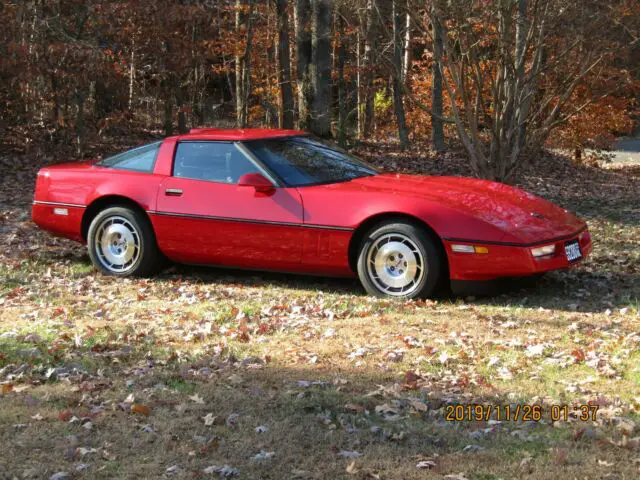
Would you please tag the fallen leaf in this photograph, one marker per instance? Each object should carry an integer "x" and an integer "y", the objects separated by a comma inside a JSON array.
[
  {"x": 65, "y": 415},
  {"x": 197, "y": 398},
  {"x": 85, "y": 451},
  {"x": 225, "y": 472},
  {"x": 426, "y": 464},
  {"x": 262, "y": 456},
  {"x": 140, "y": 409},
  {"x": 208, "y": 419},
  {"x": 525, "y": 461},
  {"x": 60, "y": 476},
  {"x": 534, "y": 350},
  {"x": 386, "y": 409},
  {"x": 173, "y": 470},
  {"x": 578, "y": 355},
  {"x": 349, "y": 454}
]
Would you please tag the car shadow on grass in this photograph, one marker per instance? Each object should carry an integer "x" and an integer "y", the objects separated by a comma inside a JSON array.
[
  {"x": 569, "y": 291},
  {"x": 259, "y": 278},
  {"x": 572, "y": 290}
]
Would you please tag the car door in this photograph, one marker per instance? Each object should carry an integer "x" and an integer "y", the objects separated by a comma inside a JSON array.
[{"x": 203, "y": 216}]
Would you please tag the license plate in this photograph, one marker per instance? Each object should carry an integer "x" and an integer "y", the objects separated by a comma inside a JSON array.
[{"x": 572, "y": 250}]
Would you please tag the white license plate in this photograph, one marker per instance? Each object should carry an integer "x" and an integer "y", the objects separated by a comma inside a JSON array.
[{"x": 572, "y": 250}]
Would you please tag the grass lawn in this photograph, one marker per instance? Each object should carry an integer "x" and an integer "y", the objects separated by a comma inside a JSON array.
[{"x": 212, "y": 373}]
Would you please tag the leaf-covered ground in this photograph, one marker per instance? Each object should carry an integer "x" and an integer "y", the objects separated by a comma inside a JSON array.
[{"x": 207, "y": 373}]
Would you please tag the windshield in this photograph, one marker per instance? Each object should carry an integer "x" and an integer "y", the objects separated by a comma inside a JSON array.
[{"x": 303, "y": 161}]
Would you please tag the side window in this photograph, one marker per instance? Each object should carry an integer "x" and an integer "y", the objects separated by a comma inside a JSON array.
[
  {"x": 141, "y": 159},
  {"x": 212, "y": 161}
]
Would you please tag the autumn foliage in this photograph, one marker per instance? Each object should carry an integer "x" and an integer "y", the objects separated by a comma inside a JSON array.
[{"x": 76, "y": 70}]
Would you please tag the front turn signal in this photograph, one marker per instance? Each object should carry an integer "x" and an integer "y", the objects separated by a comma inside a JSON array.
[
  {"x": 543, "y": 251},
  {"x": 468, "y": 249}
]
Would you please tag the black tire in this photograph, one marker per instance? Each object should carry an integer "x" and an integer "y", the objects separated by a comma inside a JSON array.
[
  {"x": 393, "y": 230},
  {"x": 146, "y": 258}
]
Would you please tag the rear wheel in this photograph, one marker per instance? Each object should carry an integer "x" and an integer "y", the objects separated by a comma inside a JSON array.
[
  {"x": 398, "y": 259},
  {"x": 121, "y": 242}
]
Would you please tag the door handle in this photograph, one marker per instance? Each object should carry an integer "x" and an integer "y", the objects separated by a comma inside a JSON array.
[{"x": 173, "y": 192}]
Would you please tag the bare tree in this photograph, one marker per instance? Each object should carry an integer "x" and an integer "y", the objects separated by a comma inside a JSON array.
[
  {"x": 340, "y": 61},
  {"x": 437, "y": 126},
  {"x": 284, "y": 70},
  {"x": 243, "y": 64},
  {"x": 493, "y": 81},
  {"x": 370, "y": 23},
  {"x": 407, "y": 56},
  {"x": 321, "y": 68},
  {"x": 303, "y": 61},
  {"x": 398, "y": 100}
]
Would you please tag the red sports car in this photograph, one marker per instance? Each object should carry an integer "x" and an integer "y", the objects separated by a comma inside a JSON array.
[{"x": 283, "y": 200}]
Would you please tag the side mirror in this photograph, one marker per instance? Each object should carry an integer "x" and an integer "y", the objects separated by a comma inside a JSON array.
[{"x": 257, "y": 181}]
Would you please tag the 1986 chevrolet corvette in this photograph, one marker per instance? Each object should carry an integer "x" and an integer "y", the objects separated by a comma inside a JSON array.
[{"x": 283, "y": 200}]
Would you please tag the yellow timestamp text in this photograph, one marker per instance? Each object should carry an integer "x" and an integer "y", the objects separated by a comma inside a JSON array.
[{"x": 519, "y": 413}]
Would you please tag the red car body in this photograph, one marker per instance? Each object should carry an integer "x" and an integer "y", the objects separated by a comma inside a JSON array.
[{"x": 312, "y": 229}]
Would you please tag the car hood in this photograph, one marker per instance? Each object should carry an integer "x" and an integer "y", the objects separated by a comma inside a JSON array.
[{"x": 524, "y": 217}]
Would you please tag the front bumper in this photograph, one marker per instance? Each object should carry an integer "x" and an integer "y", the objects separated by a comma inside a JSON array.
[{"x": 504, "y": 260}]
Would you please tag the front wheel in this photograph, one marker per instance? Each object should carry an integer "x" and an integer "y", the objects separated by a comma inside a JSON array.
[
  {"x": 121, "y": 242},
  {"x": 398, "y": 259}
]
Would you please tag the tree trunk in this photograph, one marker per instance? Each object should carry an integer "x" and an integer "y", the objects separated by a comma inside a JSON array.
[
  {"x": 238, "y": 61},
  {"x": 407, "y": 57},
  {"x": 243, "y": 68},
  {"x": 284, "y": 70},
  {"x": 132, "y": 72},
  {"x": 182, "y": 120},
  {"x": 303, "y": 61},
  {"x": 359, "y": 106},
  {"x": 437, "y": 126},
  {"x": 398, "y": 103},
  {"x": 522, "y": 28},
  {"x": 57, "y": 110},
  {"x": 105, "y": 96},
  {"x": 79, "y": 99},
  {"x": 168, "y": 114},
  {"x": 367, "y": 67},
  {"x": 321, "y": 68},
  {"x": 342, "y": 111}
]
